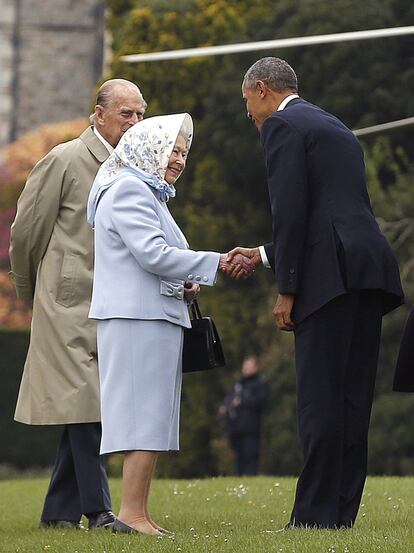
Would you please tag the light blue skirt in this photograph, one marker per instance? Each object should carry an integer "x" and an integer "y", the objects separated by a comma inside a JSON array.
[{"x": 140, "y": 374}]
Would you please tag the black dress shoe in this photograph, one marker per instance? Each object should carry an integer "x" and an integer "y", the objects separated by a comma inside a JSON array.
[
  {"x": 310, "y": 526},
  {"x": 105, "y": 519},
  {"x": 286, "y": 527},
  {"x": 122, "y": 528},
  {"x": 65, "y": 524},
  {"x": 346, "y": 525}
]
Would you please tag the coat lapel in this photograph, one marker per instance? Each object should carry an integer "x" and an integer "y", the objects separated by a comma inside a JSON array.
[
  {"x": 182, "y": 241},
  {"x": 94, "y": 145}
]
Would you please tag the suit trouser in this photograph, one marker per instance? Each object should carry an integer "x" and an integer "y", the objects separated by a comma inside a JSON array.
[
  {"x": 247, "y": 450},
  {"x": 79, "y": 484},
  {"x": 336, "y": 362},
  {"x": 404, "y": 374}
]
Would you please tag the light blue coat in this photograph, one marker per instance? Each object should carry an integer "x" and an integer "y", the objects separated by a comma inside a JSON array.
[{"x": 142, "y": 258}]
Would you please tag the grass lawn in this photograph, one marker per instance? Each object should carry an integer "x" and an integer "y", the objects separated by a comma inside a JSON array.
[{"x": 226, "y": 515}]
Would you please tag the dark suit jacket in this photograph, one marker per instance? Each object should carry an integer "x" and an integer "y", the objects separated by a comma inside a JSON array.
[
  {"x": 325, "y": 236},
  {"x": 252, "y": 391}
]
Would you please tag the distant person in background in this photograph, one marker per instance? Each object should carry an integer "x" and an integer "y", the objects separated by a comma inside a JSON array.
[
  {"x": 242, "y": 410},
  {"x": 51, "y": 254}
]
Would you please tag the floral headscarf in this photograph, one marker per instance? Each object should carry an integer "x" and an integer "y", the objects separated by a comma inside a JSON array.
[{"x": 143, "y": 151}]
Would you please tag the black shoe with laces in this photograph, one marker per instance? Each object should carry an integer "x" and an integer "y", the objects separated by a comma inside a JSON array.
[
  {"x": 64, "y": 524},
  {"x": 104, "y": 519}
]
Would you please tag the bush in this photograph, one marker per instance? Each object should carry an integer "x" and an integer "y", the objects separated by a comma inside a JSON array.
[
  {"x": 21, "y": 156},
  {"x": 23, "y": 446},
  {"x": 14, "y": 313},
  {"x": 19, "y": 159}
]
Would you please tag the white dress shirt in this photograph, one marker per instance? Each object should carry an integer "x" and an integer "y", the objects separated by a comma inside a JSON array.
[
  {"x": 104, "y": 142},
  {"x": 282, "y": 106}
]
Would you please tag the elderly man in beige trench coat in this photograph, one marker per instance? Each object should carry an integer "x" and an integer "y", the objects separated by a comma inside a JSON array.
[{"x": 51, "y": 254}]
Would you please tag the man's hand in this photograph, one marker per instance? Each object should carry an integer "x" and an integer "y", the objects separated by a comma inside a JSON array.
[
  {"x": 282, "y": 312},
  {"x": 236, "y": 401},
  {"x": 251, "y": 253},
  {"x": 191, "y": 290},
  {"x": 240, "y": 266}
]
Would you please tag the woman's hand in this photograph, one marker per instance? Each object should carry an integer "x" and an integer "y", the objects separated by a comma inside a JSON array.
[
  {"x": 191, "y": 290},
  {"x": 236, "y": 265}
]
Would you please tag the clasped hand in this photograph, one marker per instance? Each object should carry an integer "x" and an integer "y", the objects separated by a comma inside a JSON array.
[{"x": 240, "y": 262}]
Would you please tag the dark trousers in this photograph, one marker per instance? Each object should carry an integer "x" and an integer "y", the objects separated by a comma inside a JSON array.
[
  {"x": 79, "y": 484},
  {"x": 404, "y": 371},
  {"x": 336, "y": 362},
  {"x": 247, "y": 450}
]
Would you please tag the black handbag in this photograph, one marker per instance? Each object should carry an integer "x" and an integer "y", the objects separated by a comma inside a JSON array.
[{"x": 202, "y": 347}]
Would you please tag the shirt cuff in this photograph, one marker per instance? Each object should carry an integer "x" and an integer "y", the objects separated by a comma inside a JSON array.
[
  {"x": 217, "y": 269},
  {"x": 263, "y": 255}
]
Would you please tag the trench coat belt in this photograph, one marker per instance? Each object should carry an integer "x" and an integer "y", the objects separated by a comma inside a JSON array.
[{"x": 172, "y": 289}]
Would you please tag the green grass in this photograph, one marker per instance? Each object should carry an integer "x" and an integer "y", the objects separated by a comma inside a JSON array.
[{"x": 226, "y": 515}]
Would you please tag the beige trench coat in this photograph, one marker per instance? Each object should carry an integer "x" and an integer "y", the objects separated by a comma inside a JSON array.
[{"x": 51, "y": 254}]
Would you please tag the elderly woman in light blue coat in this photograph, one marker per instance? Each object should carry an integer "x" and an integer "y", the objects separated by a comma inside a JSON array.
[{"x": 144, "y": 276}]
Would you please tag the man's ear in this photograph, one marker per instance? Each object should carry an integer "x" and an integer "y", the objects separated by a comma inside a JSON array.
[
  {"x": 261, "y": 88},
  {"x": 99, "y": 113}
]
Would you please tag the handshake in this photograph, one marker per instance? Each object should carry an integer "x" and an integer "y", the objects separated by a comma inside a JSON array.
[{"x": 240, "y": 262}]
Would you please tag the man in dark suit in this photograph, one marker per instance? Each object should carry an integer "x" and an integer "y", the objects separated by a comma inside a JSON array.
[
  {"x": 242, "y": 410},
  {"x": 336, "y": 278}
]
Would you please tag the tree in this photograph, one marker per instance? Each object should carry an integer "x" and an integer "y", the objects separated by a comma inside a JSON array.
[
  {"x": 222, "y": 198},
  {"x": 19, "y": 159}
]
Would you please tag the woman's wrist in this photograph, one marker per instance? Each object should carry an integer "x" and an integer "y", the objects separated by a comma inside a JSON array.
[{"x": 223, "y": 262}]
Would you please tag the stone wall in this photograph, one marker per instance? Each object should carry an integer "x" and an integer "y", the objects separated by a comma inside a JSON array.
[{"x": 52, "y": 51}]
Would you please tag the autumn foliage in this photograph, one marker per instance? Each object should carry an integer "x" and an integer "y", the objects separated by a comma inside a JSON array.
[
  {"x": 18, "y": 159},
  {"x": 21, "y": 156}
]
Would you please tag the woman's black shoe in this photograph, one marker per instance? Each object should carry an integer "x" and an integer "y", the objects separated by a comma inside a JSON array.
[{"x": 122, "y": 528}]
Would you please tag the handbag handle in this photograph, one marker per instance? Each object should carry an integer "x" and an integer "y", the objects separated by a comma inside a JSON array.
[{"x": 195, "y": 310}]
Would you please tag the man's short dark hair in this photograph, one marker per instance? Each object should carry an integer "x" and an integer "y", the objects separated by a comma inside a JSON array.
[{"x": 275, "y": 72}]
